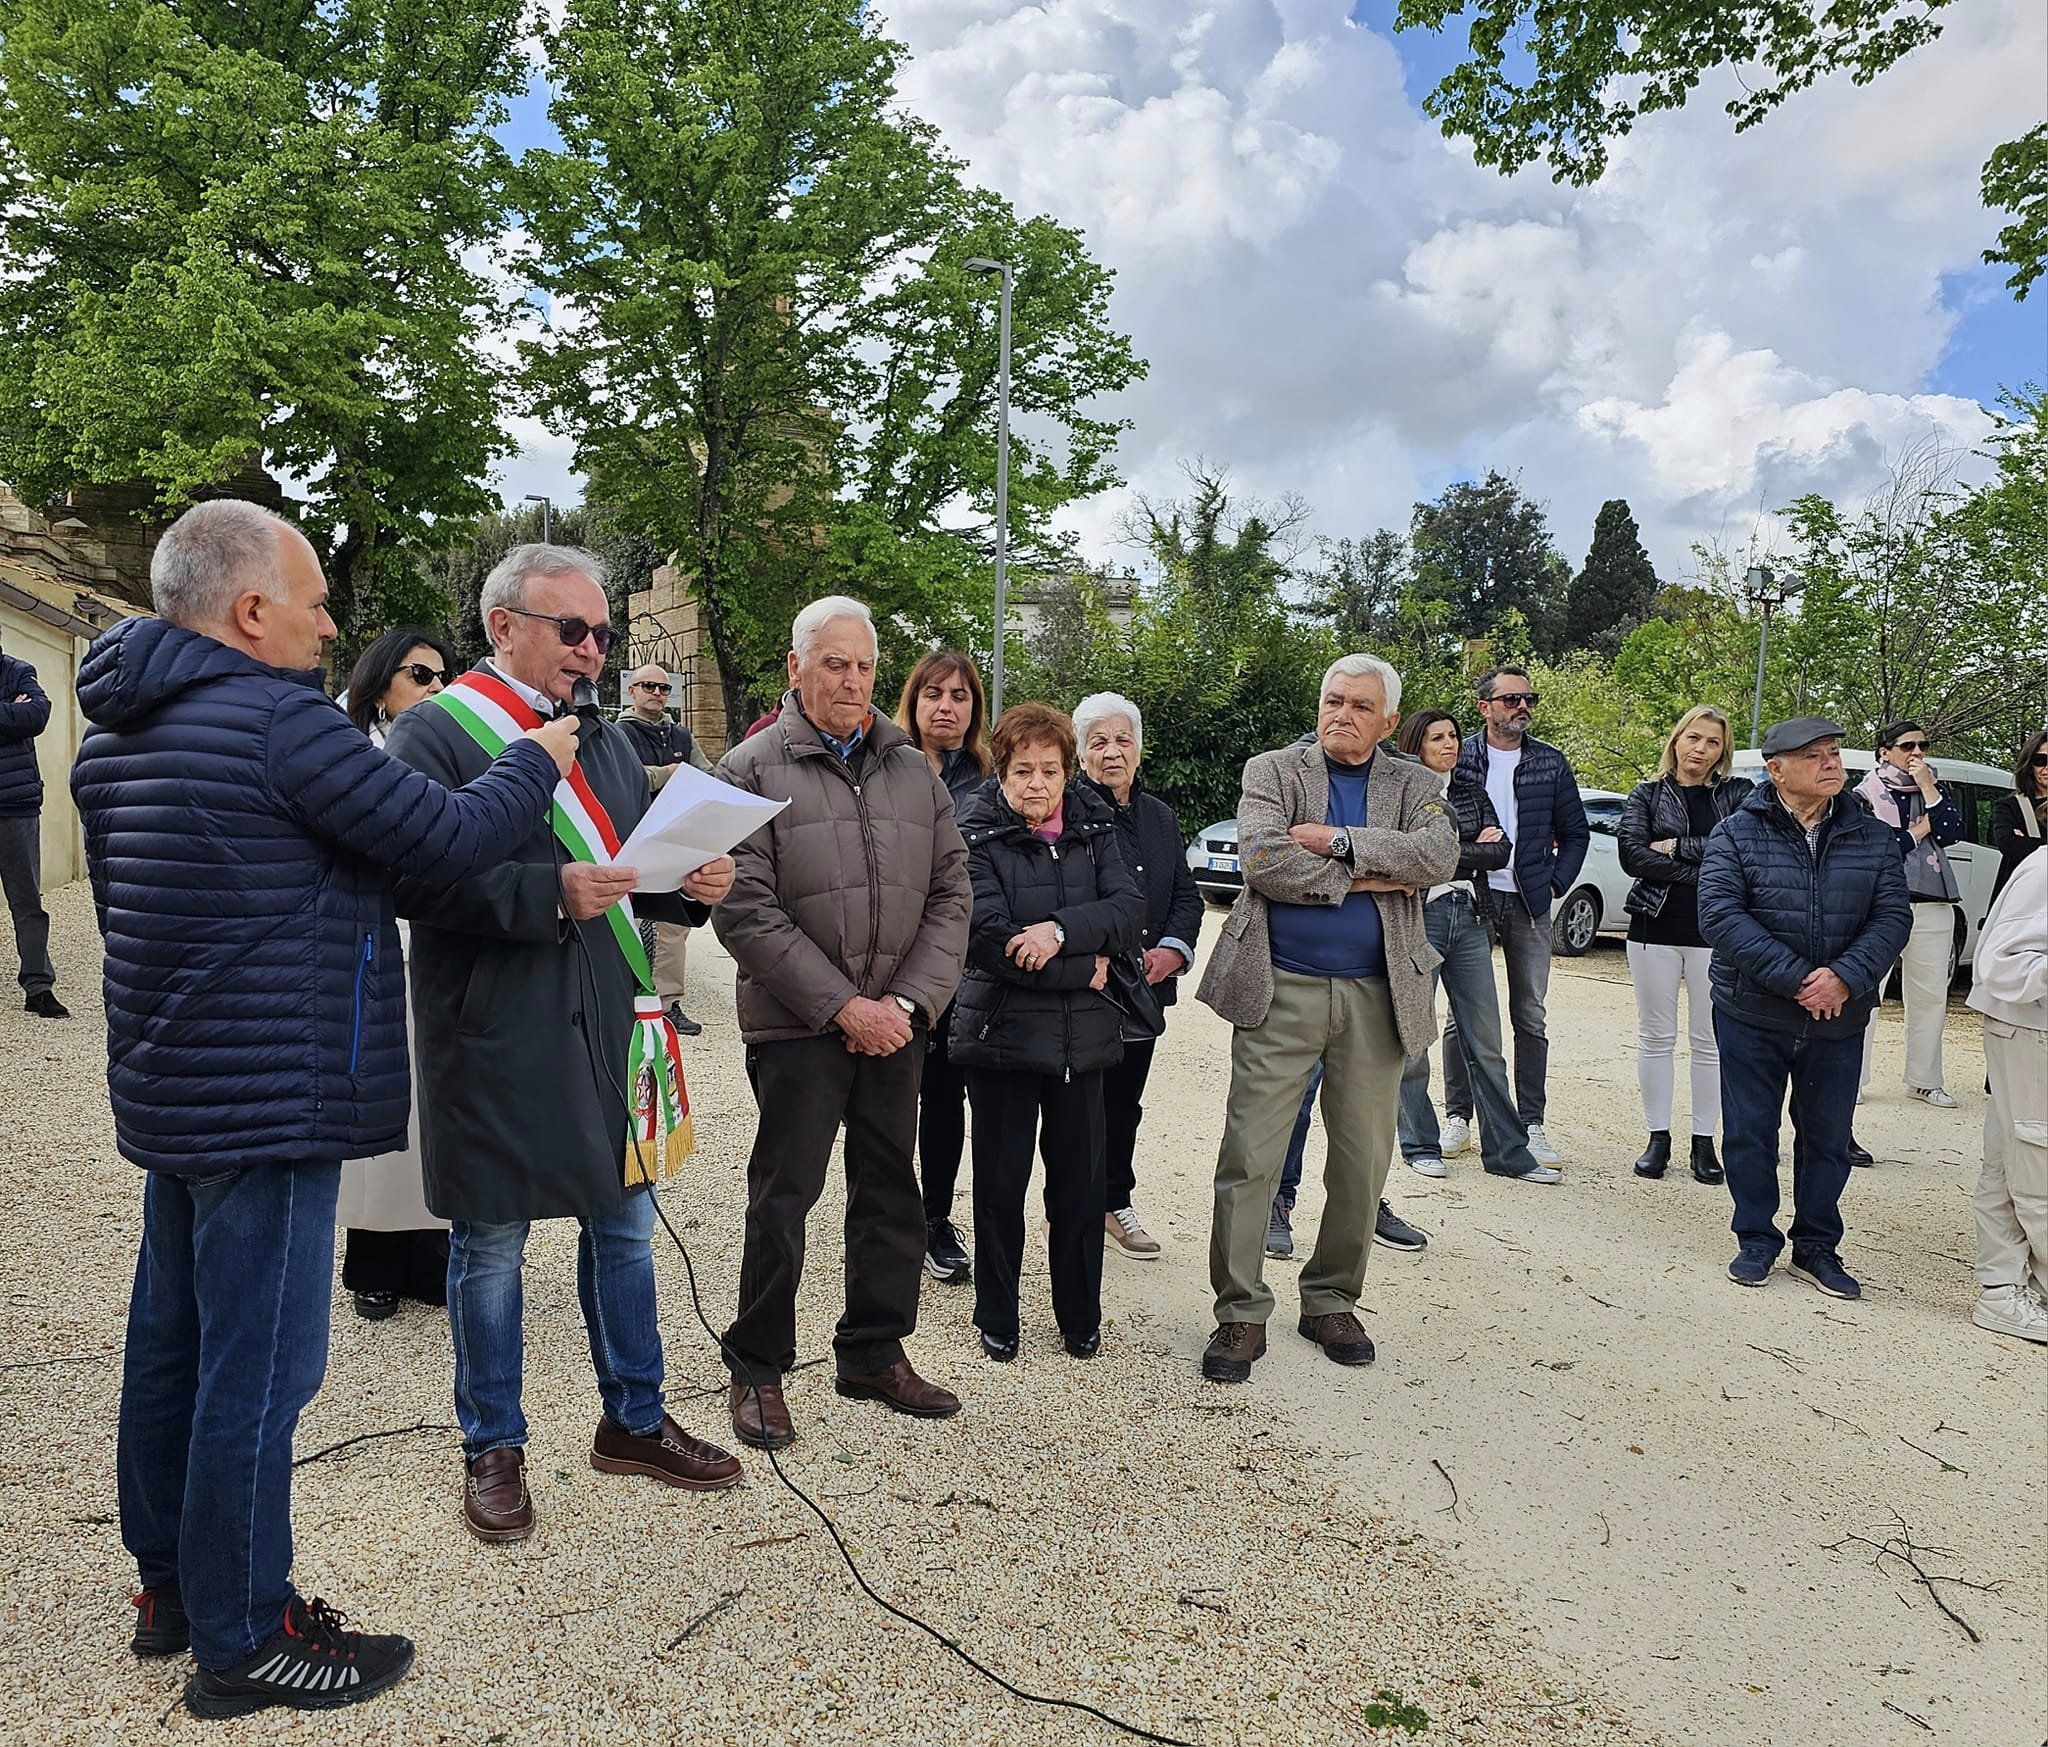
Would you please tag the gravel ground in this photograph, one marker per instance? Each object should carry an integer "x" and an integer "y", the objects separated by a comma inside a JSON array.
[{"x": 1209, "y": 1564}]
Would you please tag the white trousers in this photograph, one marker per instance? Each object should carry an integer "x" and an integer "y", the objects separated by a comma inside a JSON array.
[
  {"x": 1923, "y": 971},
  {"x": 2012, "y": 1192},
  {"x": 1657, "y": 971}
]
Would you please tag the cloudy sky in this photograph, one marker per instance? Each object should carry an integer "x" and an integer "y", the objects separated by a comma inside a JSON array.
[{"x": 1336, "y": 301}]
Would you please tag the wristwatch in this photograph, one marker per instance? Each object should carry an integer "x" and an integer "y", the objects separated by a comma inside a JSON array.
[
  {"x": 909, "y": 1007},
  {"x": 1340, "y": 844},
  {"x": 1059, "y": 933}
]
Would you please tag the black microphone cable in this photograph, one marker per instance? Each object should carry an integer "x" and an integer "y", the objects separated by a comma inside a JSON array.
[{"x": 588, "y": 980}]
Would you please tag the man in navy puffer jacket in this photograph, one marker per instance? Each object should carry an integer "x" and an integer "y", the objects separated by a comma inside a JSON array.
[
  {"x": 25, "y": 713},
  {"x": 1804, "y": 903},
  {"x": 239, "y": 833}
]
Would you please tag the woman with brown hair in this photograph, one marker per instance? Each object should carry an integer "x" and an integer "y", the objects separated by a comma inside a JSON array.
[
  {"x": 1033, "y": 1026},
  {"x": 2019, "y": 821},
  {"x": 944, "y": 711},
  {"x": 1664, "y": 831}
]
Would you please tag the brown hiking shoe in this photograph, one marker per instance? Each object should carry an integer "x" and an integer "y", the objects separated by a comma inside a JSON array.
[
  {"x": 1231, "y": 1350},
  {"x": 1341, "y": 1335},
  {"x": 671, "y": 1456},
  {"x": 495, "y": 1502}
]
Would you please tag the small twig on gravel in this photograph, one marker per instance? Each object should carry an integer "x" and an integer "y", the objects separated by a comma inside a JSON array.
[
  {"x": 724, "y": 1601},
  {"x": 721, "y": 1388},
  {"x": 1839, "y": 1420},
  {"x": 1946, "y": 1257},
  {"x": 771, "y": 1540},
  {"x": 1606, "y": 1531},
  {"x": 1774, "y": 1353},
  {"x": 1452, "y": 1507},
  {"x": 1193, "y": 1598},
  {"x": 1946, "y": 1427},
  {"x": 1725, "y": 1396},
  {"x": 1908, "y": 1715},
  {"x": 1947, "y": 1467},
  {"x": 371, "y": 1437},
  {"x": 1900, "y": 1547},
  {"x": 1497, "y": 1238},
  {"x": 837, "y": 1497},
  {"x": 61, "y": 1359}
]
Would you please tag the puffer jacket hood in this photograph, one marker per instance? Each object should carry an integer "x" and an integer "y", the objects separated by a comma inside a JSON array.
[{"x": 142, "y": 664}]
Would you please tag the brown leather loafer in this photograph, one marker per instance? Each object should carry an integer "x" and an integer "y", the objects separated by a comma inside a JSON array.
[
  {"x": 671, "y": 1456},
  {"x": 903, "y": 1389},
  {"x": 495, "y": 1502},
  {"x": 1341, "y": 1336},
  {"x": 760, "y": 1417}
]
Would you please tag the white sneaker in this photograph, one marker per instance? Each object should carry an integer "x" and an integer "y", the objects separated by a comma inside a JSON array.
[
  {"x": 1934, "y": 1095},
  {"x": 1541, "y": 1174},
  {"x": 1428, "y": 1167},
  {"x": 2012, "y": 1310},
  {"x": 1540, "y": 1148},
  {"x": 1456, "y": 1136}
]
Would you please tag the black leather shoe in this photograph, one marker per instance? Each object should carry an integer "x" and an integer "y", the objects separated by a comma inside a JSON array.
[
  {"x": 376, "y": 1306},
  {"x": 1656, "y": 1155},
  {"x": 45, "y": 1005},
  {"x": 1087, "y": 1346},
  {"x": 1706, "y": 1164},
  {"x": 684, "y": 1024},
  {"x": 1859, "y": 1155},
  {"x": 1002, "y": 1351}
]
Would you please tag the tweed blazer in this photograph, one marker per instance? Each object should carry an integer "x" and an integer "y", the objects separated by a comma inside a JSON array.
[{"x": 1408, "y": 836}]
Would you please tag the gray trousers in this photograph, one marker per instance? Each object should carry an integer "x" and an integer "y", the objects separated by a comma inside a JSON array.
[
  {"x": 21, "y": 879},
  {"x": 1525, "y": 945},
  {"x": 1348, "y": 1025}
]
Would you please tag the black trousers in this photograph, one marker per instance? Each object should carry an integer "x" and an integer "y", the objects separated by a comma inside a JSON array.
[
  {"x": 413, "y": 1264},
  {"x": 1123, "y": 1108},
  {"x": 941, "y": 1126},
  {"x": 1013, "y": 1113},
  {"x": 806, "y": 1088}
]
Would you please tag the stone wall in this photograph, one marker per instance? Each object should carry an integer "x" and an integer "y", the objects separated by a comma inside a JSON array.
[{"x": 665, "y": 623}]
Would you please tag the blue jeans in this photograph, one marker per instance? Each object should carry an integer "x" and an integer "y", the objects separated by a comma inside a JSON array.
[
  {"x": 1525, "y": 951},
  {"x": 1756, "y": 1067},
  {"x": 615, "y": 1285},
  {"x": 1467, "y": 976},
  {"x": 227, "y": 1342},
  {"x": 1290, "y": 1172}
]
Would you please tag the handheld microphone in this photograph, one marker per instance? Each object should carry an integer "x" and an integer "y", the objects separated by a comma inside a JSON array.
[{"x": 583, "y": 700}]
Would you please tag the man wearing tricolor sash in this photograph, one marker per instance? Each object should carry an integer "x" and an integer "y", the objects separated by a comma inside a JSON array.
[{"x": 550, "y": 1084}]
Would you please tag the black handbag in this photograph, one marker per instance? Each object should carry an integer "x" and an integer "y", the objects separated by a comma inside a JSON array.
[{"x": 1140, "y": 1013}]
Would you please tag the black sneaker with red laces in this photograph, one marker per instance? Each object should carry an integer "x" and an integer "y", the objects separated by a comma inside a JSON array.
[
  {"x": 161, "y": 1628},
  {"x": 308, "y": 1663}
]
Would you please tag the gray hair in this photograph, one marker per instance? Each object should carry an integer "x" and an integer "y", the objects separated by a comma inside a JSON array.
[
  {"x": 211, "y": 554},
  {"x": 506, "y": 584},
  {"x": 1356, "y": 666},
  {"x": 1100, "y": 707},
  {"x": 820, "y": 613}
]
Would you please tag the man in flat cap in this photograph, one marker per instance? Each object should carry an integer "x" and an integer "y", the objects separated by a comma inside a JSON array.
[{"x": 1804, "y": 903}]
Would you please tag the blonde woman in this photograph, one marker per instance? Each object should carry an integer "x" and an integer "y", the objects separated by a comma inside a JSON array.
[{"x": 1664, "y": 831}]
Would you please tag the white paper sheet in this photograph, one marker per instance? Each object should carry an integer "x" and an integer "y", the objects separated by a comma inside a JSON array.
[{"x": 694, "y": 819}]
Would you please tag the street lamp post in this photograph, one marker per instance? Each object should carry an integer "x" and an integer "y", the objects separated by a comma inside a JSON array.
[
  {"x": 1766, "y": 593},
  {"x": 980, "y": 264},
  {"x": 547, "y": 517}
]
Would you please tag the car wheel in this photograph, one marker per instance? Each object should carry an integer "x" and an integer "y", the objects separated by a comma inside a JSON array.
[{"x": 1577, "y": 923}]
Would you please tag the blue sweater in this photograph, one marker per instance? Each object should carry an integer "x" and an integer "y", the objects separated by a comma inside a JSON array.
[{"x": 1318, "y": 940}]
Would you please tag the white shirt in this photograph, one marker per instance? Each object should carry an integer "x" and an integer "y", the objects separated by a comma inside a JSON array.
[
  {"x": 1437, "y": 891},
  {"x": 1500, "y": 790},
  {"x": 2009, "y": 980},
  {"x": 540, "y": 703}
]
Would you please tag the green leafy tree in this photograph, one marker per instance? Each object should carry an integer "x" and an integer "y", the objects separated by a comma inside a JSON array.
[
  {"x": 1484, "y": 548},
  {"x": 766, "y": 342},
  {"x": 1358, "y": 586},
  {"x": 237, "y": 232},
  {"x": 1559, "y": 83},
  {"x": 1610, "y": 596}
]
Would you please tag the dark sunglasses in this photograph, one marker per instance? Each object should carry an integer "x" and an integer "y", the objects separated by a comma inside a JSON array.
[
  {"x": 648, "y": 685},
  {"x": 573, "y": 631},
  {"x": 1909, "y": 746},
  {"x": 421, "y": 674},
  {"x": 1515, "y": 700},
  {"x": 2041, "y": 761}
]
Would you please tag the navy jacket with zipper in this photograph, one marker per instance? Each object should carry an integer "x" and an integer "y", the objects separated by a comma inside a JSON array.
[
  {"x": 21, "y": 783},
  {"x": 238, "y": 832},
  {"x": 1047, "y": 1021},
  {"x": 1551, "y": 834},
  {"x": 1774, "y": 911}
]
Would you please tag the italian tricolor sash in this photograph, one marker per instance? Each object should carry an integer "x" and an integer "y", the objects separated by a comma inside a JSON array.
[{"x": 493, "y": 715}]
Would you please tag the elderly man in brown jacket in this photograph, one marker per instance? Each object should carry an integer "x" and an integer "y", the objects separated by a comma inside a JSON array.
[
  {"x": 1324, "y": 958},
  {"x": 848, "y": 920}
]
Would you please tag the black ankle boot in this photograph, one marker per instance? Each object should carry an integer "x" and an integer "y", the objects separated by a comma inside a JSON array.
[
  {"x": 1656, "y": 1155},
  {"x": 1706, "y": 1166}
]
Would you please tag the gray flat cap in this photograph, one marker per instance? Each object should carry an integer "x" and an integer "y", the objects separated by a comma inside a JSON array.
[{"x": 1782, "y": 737}]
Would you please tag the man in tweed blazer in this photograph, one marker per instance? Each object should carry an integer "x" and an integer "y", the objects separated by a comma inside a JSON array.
[{"x": 1324, "y": 958}]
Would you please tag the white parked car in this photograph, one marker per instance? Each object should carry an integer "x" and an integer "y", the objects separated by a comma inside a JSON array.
[
  {"x": 1212, "y": 859},
  {"x": 1594, "y": 905}
]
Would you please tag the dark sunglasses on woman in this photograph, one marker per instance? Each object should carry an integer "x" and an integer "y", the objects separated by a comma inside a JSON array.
[
  {"x": 423, "y": 675},
  {"x": 573, "y": 631}
]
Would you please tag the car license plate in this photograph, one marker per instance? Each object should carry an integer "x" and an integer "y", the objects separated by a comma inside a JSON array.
[{"x": 1222, "y": 864}]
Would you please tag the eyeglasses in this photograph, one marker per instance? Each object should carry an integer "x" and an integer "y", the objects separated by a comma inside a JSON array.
[
  {"x": 1909, "y": 746},
  {"x": 423, "y": 675},
  {"x": 649, "y": 685},
  {"x": 573, "y": 631},
  {"x": 2041, "y": 761},
  {"x": 1515, "y": 700}
]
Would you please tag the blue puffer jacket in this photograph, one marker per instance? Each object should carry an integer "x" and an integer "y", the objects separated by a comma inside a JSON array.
[
  {"x": 237, "y": 830},
  {"x": 1550, "y": 831},
  {"x": 21, "y": 783},
  {"x": 1774, "y": 911}
]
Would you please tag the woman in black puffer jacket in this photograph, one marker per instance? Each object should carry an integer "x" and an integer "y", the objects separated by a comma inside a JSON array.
[
  {"x": 1664, "y": 830},
  {"x": 1032, "y": 1027}
]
